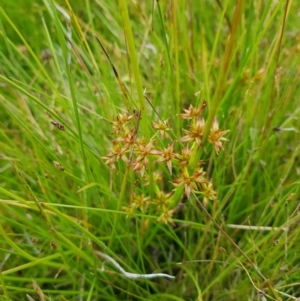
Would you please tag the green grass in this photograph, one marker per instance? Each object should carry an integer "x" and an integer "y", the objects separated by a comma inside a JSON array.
[{"x": 58, "y": 219}]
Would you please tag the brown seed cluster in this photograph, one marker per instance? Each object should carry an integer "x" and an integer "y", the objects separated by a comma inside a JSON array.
[
  {"x": 58, "y": 166},
  {"x": 58, "y": 125},
  {"x": 136, "y": 152}
]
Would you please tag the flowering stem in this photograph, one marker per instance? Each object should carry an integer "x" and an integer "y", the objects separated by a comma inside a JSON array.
[
  {"x": 135, "y": 66},
  {"x": 229, "y": 51},
  {"x": 176, "y": 62},
  {"x": 137, "y": 77}
]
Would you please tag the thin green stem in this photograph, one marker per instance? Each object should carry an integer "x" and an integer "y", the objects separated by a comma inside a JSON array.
[
  {"x": 136, "y": 72},
  {"x": 3, "y": 286},
  {"x": 135, "y": 67},
  {"x": 15, "y": 246},
  {"x": 229, "y": 238},
  {"x": 229, "y": 51},
  {"x": 177, "y": 67},
  {"x": 165, "y": 38}
]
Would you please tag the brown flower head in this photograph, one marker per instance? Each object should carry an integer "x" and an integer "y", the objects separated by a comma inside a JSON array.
[
  {"x": 140, "y": 201},
  {"x": 120, "y": 124},
  {"x": 208, "y": 192},
  {"x": 184, "y": 157},
  {"x": 115, "y": 154},
  {"x": 162, "y": 127},
  {"x": 166, "y": 217},
  {"x": 166, "y": 155},
  {"x": 162, "y": 200},
  {"x": 216, "y": 136},
  {"x": 140, "y": 165},
  {"x": 128, "y": 139},
  {"x": 143, "y": 149},
  {"x": 195, "y": 133},
  {"x": 192, "y": 112},
  {"x": 157, "y": 178},
  {"x": 190, "y": 182}
]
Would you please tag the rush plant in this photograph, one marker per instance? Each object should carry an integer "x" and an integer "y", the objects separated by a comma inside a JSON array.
[
  {"x": 136, "y": 153},
  {"x": 118, "y": 181}
]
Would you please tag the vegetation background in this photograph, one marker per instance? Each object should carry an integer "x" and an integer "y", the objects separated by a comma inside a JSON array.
[{"x": 62, "y": 207}]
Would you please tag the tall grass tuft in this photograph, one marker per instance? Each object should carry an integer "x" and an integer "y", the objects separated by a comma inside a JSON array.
[{"x": 149, "y": 150}]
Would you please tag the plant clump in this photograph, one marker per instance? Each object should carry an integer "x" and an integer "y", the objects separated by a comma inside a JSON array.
[{"x": 136, "y": 152}]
